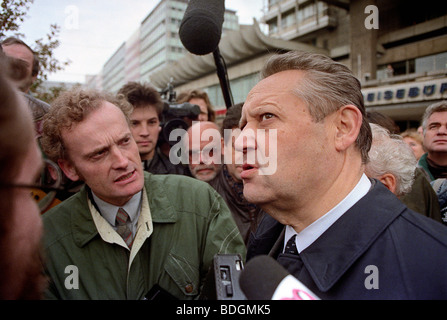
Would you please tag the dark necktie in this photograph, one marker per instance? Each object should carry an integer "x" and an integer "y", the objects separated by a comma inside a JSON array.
[
  {"x": 291, "y": 246},
  {"x": 122, "y": 227}
]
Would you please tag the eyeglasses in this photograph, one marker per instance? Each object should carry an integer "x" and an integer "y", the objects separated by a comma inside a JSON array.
[{"x": 49, "y": 183}]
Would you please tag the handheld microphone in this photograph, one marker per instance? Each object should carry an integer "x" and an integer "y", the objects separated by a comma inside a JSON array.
[
  {"x": 265, "y": 279},
  {"x": 201, "y": 26}
]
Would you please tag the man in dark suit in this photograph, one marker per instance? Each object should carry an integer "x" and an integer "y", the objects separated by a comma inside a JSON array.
[{"x": 354, "y": 239}]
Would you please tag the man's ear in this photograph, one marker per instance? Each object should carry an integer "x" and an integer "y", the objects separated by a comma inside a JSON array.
[
  {"x": 348, "y": 123},
  {"x": 389, "y": 181},
  {"x": 68, "y": 168}
]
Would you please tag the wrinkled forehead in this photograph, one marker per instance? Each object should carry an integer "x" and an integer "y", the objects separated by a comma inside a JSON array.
[
  {"x": 19, "y": 51},
  {"x": 106, "y": 120},
  {"x": 439, "y": 116}
]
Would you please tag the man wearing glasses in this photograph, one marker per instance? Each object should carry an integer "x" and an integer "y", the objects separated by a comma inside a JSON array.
[
  {"x": 20, "y": 224},
  {"x": 127, "y": 233}
]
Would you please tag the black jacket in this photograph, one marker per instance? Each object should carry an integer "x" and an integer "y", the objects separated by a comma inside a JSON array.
[
  {"x": 378, "y": 241},
  {"x": 160, "y": 164}
]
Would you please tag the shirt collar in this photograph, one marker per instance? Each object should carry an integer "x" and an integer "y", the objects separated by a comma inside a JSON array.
[
  {"x": 108, "y": 211},
  {"x": 307, "y": 236}
]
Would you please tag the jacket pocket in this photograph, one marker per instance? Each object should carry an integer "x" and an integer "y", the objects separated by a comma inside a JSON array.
[{"x": 184, "y": 274}]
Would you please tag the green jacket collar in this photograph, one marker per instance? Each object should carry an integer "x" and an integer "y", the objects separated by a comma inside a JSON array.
[{"x": 422, "y": 163}]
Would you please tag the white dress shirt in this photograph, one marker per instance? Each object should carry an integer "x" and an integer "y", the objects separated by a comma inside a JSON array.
[{"x": 312, "y": 232}]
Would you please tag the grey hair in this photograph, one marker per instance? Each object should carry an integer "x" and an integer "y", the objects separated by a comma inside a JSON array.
[
  {"x": 390, "y": 154},
  {"x": 327, "y": 87},
  {"x": 435, "y": 107}
]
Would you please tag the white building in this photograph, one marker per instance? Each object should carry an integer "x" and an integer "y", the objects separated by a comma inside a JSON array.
[{"x": 153, "y": 46}]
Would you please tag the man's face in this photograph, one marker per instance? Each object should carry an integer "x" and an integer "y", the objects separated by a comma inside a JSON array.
[
  {"x": 22, "y": 53},
  {"x": 301, "y": 144},
  {"x": 415, "y": 145},
  {"x": 435, "y": 137},
  {"x": 25, "y": 238},
  {"x": 205, "y": 149},
  {"x": 145, "y": 127},
  {"x": 103, "y": 153}
]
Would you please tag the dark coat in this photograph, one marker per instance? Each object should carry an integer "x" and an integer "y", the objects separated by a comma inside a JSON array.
[
  {"x": 160, "y": 164},
  {"x": 378, "y": 237}
]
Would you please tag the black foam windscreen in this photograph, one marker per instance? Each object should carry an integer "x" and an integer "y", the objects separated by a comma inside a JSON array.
[
  {"x": 201, "y": 28},
  {"x": 261, "y": 277}
]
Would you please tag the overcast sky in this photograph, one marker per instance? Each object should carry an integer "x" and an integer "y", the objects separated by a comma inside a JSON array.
[{"x": 100, "y": 28}]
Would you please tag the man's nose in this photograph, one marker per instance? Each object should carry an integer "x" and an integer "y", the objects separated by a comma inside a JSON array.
[
  {"x": 144, "y": 130},
  {"x": 245, "y": 141},
  {"x": 442, "y": 129},
  {"x": 120, "y": 160}
]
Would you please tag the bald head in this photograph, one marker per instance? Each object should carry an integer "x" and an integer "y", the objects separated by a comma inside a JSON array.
[
  {"x": 202, "y": 126},
  {"x": 205, "y": 150}
]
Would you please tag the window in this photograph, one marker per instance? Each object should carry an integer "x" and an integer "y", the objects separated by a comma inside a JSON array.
[{"x": 432, "y": 63}]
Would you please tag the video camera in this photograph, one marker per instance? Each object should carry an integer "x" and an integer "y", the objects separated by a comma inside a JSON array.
[{"x": 174, "y": 115}]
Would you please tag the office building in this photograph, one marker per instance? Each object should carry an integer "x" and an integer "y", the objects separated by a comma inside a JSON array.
[
  {"x": 397, "y": 49},
  {"x": 154, "y": 45}
]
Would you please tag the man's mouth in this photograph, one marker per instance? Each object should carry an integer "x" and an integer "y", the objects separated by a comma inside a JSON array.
[
  {"x": 248, "y": 171},
  {"x": 125, "y": 177},
  {"x": 247, "y": 166}
]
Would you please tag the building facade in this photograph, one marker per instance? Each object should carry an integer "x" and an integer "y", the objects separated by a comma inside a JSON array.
[
  {"x": 153, "y": 46},
  {"x": 396, "y": 48}
]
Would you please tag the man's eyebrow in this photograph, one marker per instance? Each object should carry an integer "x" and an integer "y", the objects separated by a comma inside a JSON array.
[
  {"x": 96, "y": 151},
  {"x": 126, "y": 136}
]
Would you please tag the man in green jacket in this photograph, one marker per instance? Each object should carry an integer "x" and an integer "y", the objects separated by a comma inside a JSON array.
[{"x": 126, "y": 232}]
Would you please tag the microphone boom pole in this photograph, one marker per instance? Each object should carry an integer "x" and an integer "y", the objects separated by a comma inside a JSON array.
[
  {"x": 223, "y": 78},
  {"x": 200, "y": 32}
]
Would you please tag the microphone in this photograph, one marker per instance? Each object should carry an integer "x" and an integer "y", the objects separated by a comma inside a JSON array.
[
  {"x": 201, "y": 26},
  {"x": 265, "y": 279}
]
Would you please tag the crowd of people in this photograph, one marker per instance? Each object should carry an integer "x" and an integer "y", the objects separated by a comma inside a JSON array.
[{"x": 349, "y": 191}]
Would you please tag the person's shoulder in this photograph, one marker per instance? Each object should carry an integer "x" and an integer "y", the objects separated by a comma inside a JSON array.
[
  {"x": 174, "y": 180},
  {"x": 57, "y": 222},
  {"x": 58, "y": 219},
  {"x": 62, "y": 208},
  {"x": 406, "y": 225},
  {"x": 186, "y": 194},
  {"x": 424, "y": 228},
  {"x": 175, "y": 184}
]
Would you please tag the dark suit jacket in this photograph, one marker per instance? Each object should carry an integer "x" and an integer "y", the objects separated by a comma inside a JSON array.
[{"x": 379, "y": 249}]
